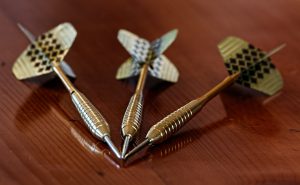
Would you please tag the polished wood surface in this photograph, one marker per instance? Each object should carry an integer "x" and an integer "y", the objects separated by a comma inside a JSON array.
[{"x": 241, "y": 137}]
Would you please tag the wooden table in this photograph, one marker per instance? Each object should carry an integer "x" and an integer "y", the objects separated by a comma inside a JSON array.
[{"x": 241, "y": 137}]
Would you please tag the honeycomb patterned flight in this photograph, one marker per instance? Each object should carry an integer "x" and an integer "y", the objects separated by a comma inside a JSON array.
[
  {"x": 49, "y": 47},
  {"x": 142, "y": 51},
  {"x": 44, "y": 51},
  {"x": 256, "y": 72}
]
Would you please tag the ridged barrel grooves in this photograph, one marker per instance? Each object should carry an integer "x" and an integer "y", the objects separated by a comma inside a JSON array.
[
  {"x": 133, "y": 115},
  {"x": 90, "y": 115},
  {"x": 172, "y": 123}
]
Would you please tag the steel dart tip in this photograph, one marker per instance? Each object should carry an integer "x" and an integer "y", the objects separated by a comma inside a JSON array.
[
  {"x": 138, "y": 148},
  {"x": 125, "y": 145},
  {"x": 112, "y": 146}
]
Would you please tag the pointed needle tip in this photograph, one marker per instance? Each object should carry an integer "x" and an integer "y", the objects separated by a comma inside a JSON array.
[
  {"x": 112, "y": 146},
  {"x": 137, "y": 148},
  {"x": 125, "y": 145}
]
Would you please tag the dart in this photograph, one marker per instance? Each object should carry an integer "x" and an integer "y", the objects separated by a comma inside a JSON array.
[
  {"x": 44, "y": 56},
  {"x": 146, "y": 58},
  {"x": 246, "y": 65}
]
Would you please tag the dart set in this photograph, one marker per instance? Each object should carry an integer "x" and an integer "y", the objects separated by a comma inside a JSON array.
[{"x": 246, "y": 64}]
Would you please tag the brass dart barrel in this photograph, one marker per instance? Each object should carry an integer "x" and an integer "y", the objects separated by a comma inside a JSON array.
[{"x": 176, "y": 120}]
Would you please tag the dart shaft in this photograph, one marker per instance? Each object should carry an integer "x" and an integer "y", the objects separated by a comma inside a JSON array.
[
  {"x": 142, "y": 78},
  {"x": 228, "y": 81},
  {"x": 68, "y": 84},
  {"x": 176, "y": 120}
]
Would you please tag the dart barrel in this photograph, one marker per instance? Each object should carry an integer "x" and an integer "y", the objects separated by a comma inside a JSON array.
[
  {"x": 133, "y": 115},
  {"x": 173, "y": 122},
  {"x": 94, "y": 121}
]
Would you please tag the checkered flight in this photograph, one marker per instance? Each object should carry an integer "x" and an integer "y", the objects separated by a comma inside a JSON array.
[
  {"x": 142, "y": 51},
  {"x": 49, "y": 47},
  {"x": 257, "y": 71}
]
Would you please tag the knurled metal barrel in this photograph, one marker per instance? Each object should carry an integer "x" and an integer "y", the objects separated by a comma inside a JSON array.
[
  {"x": 133, "y": 115},
  {"x": 92, "y": 118},
  {"x": 173, "y": 122}
]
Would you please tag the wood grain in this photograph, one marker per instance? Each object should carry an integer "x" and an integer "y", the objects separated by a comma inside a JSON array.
[{"x": 241, "y": 137}]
